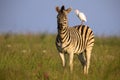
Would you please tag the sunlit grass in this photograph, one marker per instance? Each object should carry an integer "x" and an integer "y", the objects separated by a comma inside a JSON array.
[{"x": 35, "y": 57}]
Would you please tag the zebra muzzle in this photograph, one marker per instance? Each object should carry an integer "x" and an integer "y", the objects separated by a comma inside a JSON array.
[{"x": 60, "y": 26}]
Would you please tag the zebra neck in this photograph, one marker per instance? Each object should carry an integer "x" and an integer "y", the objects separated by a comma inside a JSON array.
[
  {"x": 62, "y": 33},
  {"x": 63, "y": 30}
]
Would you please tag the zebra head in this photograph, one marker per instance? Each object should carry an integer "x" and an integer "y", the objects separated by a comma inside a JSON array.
[{"x": 62, "y": 17}]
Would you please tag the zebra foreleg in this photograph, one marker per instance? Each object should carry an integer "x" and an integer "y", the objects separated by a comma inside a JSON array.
[
  {"x": 62, "y": 56},
  {"x": 71, "y": 62}
]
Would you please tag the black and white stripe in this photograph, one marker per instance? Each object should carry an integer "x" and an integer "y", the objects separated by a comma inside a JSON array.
[{"x": 73, "y": 40}]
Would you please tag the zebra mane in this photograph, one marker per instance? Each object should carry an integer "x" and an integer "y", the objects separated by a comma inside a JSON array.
[{"x": 62, "y": 8}]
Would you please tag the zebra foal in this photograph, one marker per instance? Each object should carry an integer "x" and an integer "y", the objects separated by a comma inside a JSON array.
[{"x": 73, "y": 40}]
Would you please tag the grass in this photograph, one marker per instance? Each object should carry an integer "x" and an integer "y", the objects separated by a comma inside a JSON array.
[{"x": 35, "y": 57}]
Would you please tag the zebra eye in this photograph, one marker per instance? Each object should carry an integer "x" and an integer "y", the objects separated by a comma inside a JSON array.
[{"x": 57, "y": 16}]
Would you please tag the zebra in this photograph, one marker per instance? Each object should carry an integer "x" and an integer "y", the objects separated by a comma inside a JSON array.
[{"x": 73, "y": 40}]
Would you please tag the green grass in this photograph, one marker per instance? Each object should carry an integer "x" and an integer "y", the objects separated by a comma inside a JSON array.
[{"x": 35, "y": 57}]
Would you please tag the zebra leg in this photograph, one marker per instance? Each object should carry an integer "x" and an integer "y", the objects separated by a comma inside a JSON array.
[
  {"x": 88, "y": 55},
  {"x": 71, "y": 61},
  {"x": 62, "y": 56},
  {"x": 82, "y": 59}
]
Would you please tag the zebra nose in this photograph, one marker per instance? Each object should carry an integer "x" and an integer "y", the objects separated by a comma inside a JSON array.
[
  {"x": 60, "y": 26},
  {"x": 60, "y": 23}
]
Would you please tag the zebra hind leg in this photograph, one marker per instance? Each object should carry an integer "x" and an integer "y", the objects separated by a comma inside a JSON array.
[
  {"x": 82, "y": 59},
  {"x": 88, "y": 56}
]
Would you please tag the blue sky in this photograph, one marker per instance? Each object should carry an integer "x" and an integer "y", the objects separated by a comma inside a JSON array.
[{"x": 37, "y": 16}]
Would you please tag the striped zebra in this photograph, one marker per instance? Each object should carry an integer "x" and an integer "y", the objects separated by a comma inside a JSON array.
[{"x": 73, "y": 40}]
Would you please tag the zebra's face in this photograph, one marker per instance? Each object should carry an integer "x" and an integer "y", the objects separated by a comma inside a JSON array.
[{"x": 62, "y": 17}]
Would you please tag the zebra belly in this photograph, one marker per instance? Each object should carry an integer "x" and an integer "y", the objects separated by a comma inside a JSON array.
[{"x": 68, "y": 49}]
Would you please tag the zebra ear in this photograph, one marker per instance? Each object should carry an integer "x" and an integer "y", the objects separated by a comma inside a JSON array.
[
  {"x": 68, "y": 10},
  {"x": 57, "y": 9}
]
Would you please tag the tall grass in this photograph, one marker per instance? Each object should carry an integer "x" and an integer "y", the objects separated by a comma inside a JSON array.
[{"x": 35, "y": 57}]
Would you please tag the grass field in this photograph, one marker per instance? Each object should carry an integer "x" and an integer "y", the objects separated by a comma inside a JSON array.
[{"x": 35, "y": 57}]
